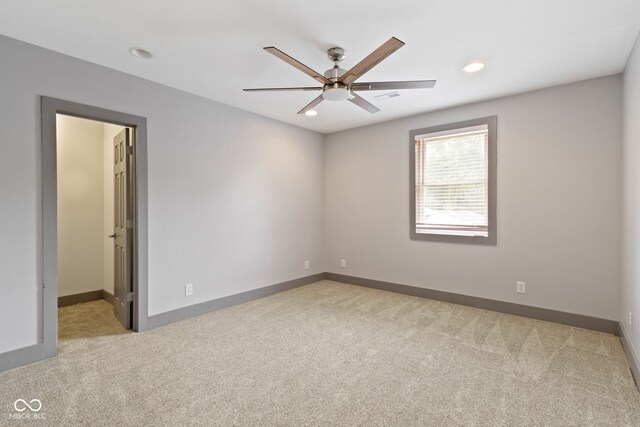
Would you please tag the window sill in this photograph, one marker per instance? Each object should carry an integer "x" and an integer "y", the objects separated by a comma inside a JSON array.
[{"x": 459, "y": 237}]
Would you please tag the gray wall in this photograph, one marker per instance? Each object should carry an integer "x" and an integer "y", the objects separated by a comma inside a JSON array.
[
  {"x": 235, "y": 199},
  {"x": 558, "y": 207},
  {"x": 630, "y": 293},
  {"x": 80, "y": 205}
]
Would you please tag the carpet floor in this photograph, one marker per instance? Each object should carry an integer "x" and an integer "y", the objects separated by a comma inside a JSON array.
[
  {"x": 91, "y": 319},
  {"x": 335, "y": 354}
]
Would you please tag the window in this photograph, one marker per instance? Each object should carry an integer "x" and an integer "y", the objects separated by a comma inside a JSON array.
[{"x": 453, "y": 176}]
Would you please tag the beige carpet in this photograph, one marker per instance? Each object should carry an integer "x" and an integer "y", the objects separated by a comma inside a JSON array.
[
  {"x": 335, "y": 354},
  {"x": 91, "y": 319}
]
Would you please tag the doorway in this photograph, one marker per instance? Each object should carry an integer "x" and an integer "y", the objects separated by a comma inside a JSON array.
[
  {"x": 95, "y": 227},
  {"x": 94, "y": 219}
]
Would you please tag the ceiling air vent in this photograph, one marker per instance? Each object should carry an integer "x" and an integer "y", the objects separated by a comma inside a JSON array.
[{"x": 387, "y": 95}]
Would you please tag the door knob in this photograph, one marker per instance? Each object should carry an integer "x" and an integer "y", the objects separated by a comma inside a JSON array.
[{"x": 111, "y": 236}]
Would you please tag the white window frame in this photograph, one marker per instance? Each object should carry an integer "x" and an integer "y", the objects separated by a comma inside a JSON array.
[{"x": 441, "y": 236}]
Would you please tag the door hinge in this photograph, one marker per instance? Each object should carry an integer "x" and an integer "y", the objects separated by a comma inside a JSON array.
[
  {"x": 129, "y": 149},
  {"x": 130, "y": 297},
  {"x": 129, "y": 223}
]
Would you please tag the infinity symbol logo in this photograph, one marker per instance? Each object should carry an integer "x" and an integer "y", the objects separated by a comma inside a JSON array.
[{"x": 21, "y": 405}]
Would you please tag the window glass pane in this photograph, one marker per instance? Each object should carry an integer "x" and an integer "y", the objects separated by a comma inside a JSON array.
[{"x": 451, "y": 182}]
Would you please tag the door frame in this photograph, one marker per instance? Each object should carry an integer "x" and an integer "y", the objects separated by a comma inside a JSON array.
[{"x": 50, "y": 108}]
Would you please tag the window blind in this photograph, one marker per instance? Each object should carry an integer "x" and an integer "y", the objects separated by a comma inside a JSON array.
[{"x": 452, "y": 182}]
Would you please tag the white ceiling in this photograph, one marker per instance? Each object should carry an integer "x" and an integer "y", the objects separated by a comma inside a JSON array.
[{"x": 213, "y": 48}]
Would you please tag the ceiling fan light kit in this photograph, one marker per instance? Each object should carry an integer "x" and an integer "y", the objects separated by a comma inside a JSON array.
[
  {"x": 336, "y": 92},
  {"x": 339, "y": 84}
]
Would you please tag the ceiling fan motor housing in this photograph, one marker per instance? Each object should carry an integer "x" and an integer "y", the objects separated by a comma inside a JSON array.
[{"x": 334, "y": 73}]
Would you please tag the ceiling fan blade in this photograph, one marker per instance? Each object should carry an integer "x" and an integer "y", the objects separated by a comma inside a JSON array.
[
  {"x": 299, "y": 65},
  {"x": 374, "y": 58},
  {"x": 363, "y": 103},
  {"x": 415, "y": 84},
  {"x": 312, "y": 104},
  {"x": 286, "y": 89}
]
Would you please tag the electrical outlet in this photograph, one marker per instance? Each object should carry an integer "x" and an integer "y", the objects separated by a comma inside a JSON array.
[
  {"x": 306, "y": 265},
  {"x": 343, "y": 263},
  {"x": 630, "y": 321},
  {"x": 521, "y": 287},
  {"x": 188, "y": 289}
]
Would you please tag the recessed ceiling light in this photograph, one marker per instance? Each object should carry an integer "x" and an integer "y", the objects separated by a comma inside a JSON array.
[
  {"x": 140, "y": 52},
  {"x": 311, "y": 113},
  {"x": 473, "y": 67}
]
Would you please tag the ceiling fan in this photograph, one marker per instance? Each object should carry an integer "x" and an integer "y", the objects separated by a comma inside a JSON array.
[{"x": 339, "y": 84}]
